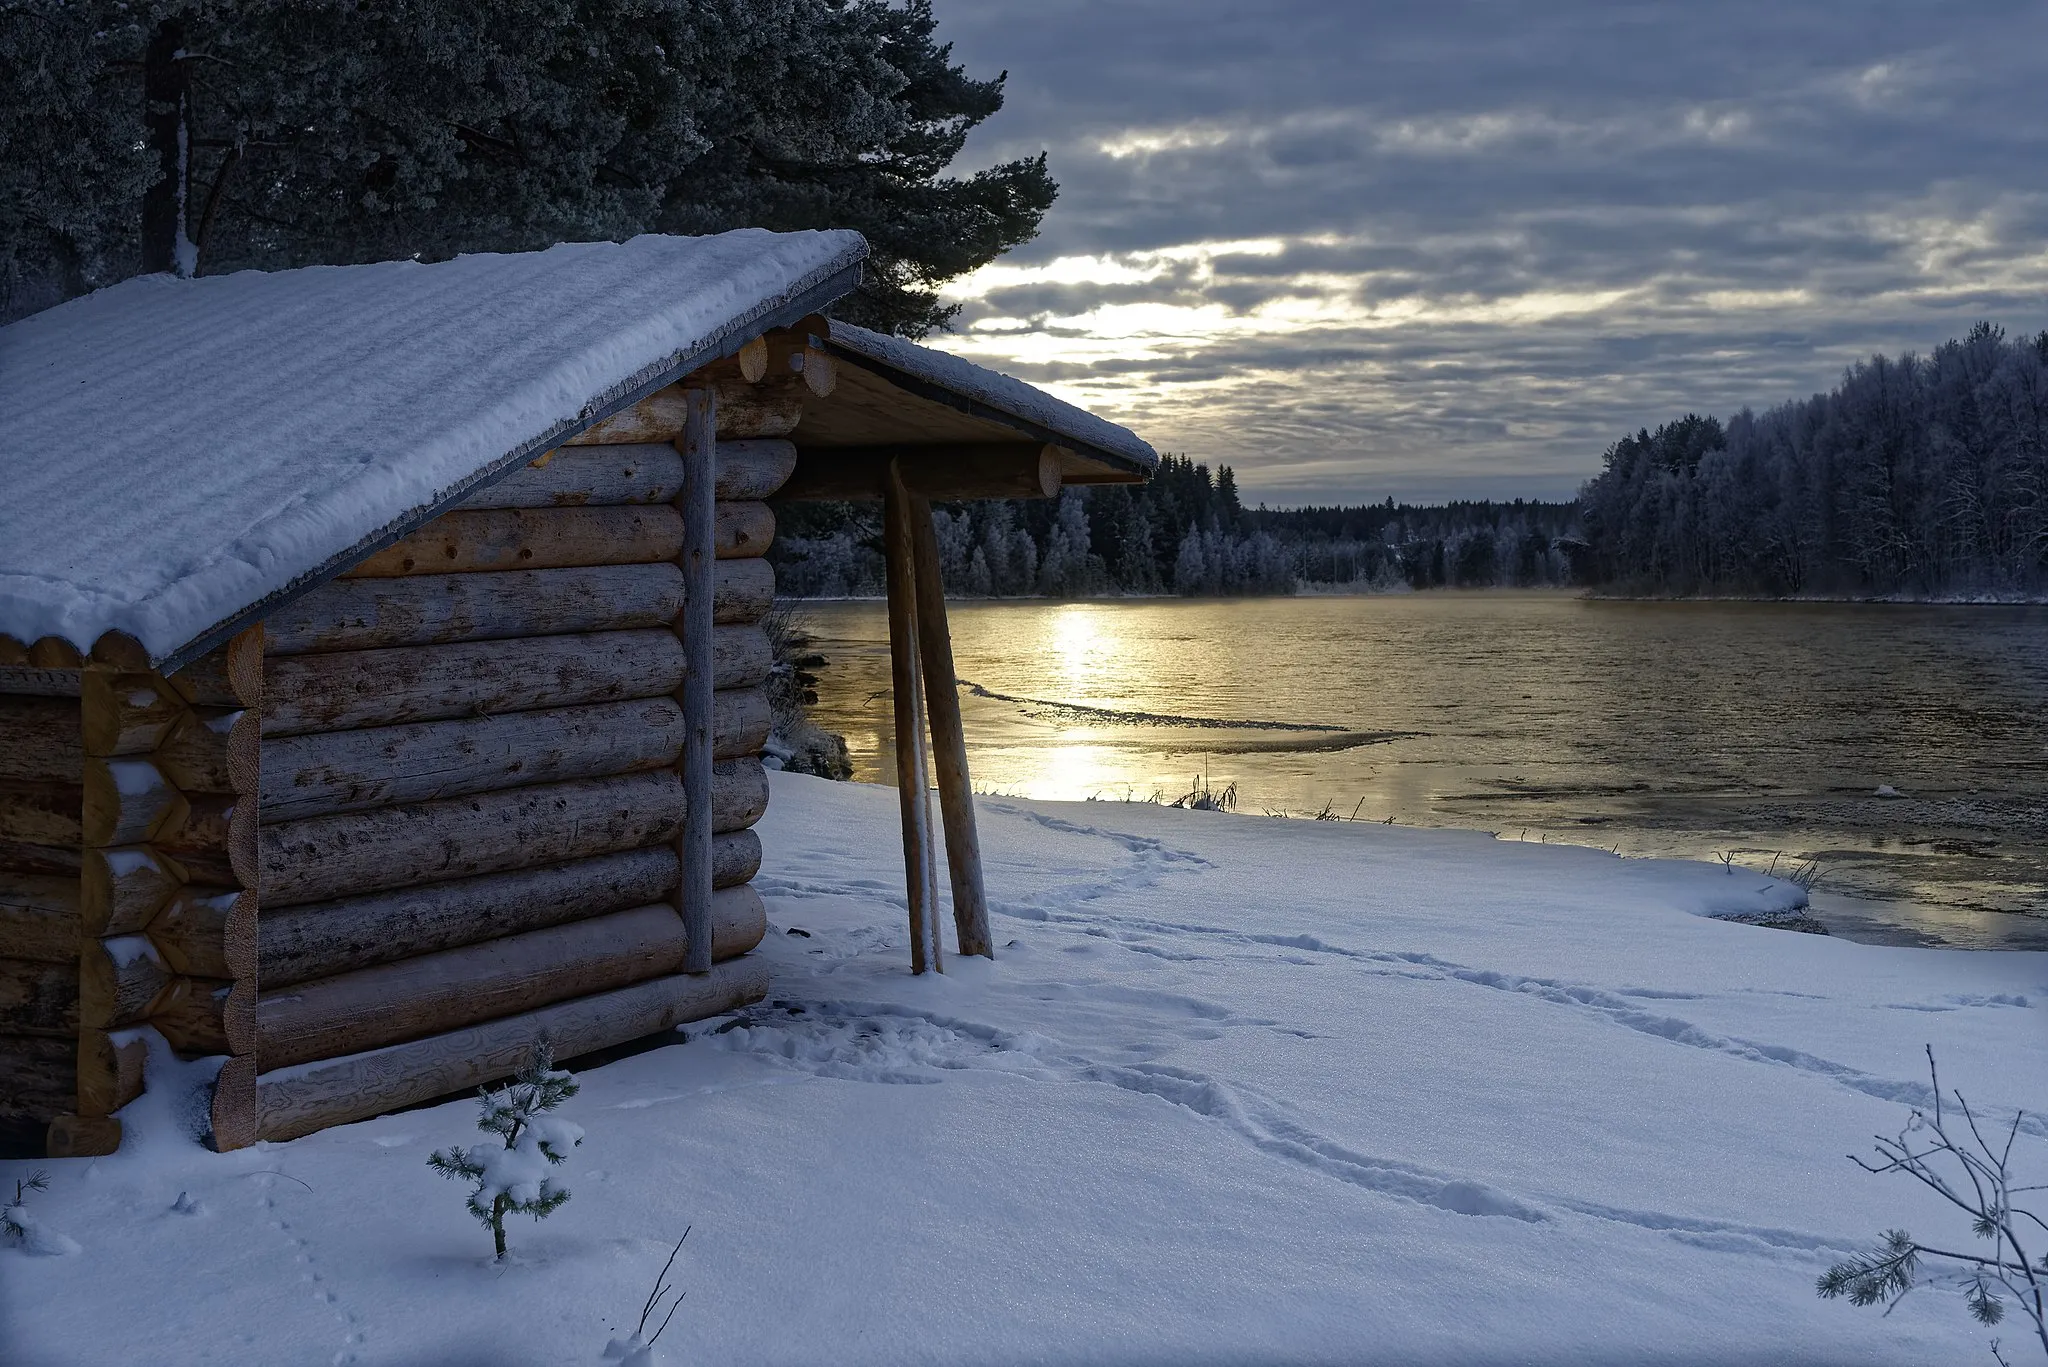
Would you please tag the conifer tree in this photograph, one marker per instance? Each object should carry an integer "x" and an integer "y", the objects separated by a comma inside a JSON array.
[{"x": 513, "y": 1177}]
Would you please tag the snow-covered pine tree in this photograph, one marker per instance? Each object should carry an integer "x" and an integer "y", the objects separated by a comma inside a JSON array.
[
  {"x": 326, "y": 131},
  {"x": 513, "y": 1177}
]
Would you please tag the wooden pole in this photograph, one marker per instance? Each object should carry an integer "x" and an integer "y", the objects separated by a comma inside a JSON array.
[
  {"x": 699, "y": 445},
  {"x": 920, "y": 866},
  {"x": 949, "y": 740}
]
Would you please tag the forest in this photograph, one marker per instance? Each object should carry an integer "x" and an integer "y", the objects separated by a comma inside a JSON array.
[
  {"x": 1187, "y": 533},
  {"x": 1913, "y": 477}
]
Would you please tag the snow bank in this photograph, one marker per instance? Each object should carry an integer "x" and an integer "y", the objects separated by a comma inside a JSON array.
[
  {"x": 1238, "y": 1090},
  {"x": 175, "y": 451}
]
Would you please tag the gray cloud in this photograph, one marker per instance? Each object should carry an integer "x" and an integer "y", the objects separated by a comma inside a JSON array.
[{"x": 1485, "y": 239}]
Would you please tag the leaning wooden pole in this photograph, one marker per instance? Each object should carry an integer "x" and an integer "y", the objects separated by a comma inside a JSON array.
[
  {"x": 920, "y": 859},
  {"x": 949, "y": 739},
  {"x": 699, "y": 446}
]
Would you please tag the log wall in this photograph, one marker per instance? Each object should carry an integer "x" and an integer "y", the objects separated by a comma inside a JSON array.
[
  {"x": 127, "y": 842},
  {"x": 468, "y": 785}
]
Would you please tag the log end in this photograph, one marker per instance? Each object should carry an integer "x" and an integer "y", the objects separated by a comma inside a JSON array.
[
  {"x": 83, "y": 1136},
  {"x": 233, "y": 1112}
]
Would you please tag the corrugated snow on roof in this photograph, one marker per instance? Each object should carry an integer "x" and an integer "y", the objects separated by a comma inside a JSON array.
[
  {"x": 173, "y": 452},
  {"x": 997, "y": 391}
]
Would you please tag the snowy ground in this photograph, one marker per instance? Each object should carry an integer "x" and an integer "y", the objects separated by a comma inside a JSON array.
[{"x": 1237, "y": 1090}]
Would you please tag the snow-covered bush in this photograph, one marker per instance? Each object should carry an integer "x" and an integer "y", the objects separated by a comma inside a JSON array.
[
  {"x": 513, "y": 1177},
  {"x": 1971, "y": 1174}
]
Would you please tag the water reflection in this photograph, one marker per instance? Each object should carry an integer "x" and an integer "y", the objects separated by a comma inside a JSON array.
[{"x": 1683, "y": 729}]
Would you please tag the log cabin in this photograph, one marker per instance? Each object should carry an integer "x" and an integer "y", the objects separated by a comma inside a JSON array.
[{"x": 381, "y": 662}]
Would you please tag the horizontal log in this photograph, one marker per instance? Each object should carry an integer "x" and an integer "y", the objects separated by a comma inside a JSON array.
[
  {"x": 201, "y": 1017},
  {"x": 350, "y": 689},
  {"x": 212, "y": 840},
  {"x": 38, "y": 1079},
  {"x": 18, "y": 857},
  {"x": 26, "y": 680},
  {"x": 742, "y": 591},
  {"x": 41, "y": 740},
  {"x": 211, "y": 750},
  {"x": 366, "y": 614},
  {"x": 39, "y": 917},
  {"x": 227, "y": 676},
  {"x": 967, "y": 471},
  {"x": 297, "y": 1101},
  {"x": 208, "y": 932},
  {"x": 434, "y": 993},
  {"x": 770, "y": 409},
  {"x": 120, "y": 889},
  {"x": 119, "y": 981},
  {"x": 127, "y": 801},
  {"x": 322, "y": 939},
  {"x": 127, "y": 714},
  {"x": 83, "y": 1136},
  {"x": 40, "y": 814},
  {"x": 346, "y": 771},
  {"x": 468, "y": 542},
  {"x": 741, "y": 719},
  {"x": 740, "y": 531},
  {"x": 110, "y": 1064},
  {"x": 643, "y": 472},
  {"x": 352, "y": 853},
  {"x": 38, "y": 998},
  {"x": 395, "y": 847}
]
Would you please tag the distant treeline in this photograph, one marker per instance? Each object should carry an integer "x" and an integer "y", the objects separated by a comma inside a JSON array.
[
  {"x": 1185, "y": 532},
  {"x": 1916, "y": 476}
]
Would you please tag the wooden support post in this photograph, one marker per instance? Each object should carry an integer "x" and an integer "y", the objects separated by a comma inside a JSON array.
[
  {"x": 949, "y": 740},
  {"x": 920, "y": 859},
  {"x": 698, "y": 445}
]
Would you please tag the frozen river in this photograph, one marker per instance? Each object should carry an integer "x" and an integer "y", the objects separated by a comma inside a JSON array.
[{"x": 1765, "y": 731}]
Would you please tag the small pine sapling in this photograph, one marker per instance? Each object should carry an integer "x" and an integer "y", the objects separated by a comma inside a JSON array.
[
  {"x": 513, "y": 1177},
  {"x": 1975, "y": 1177},
  {"x": 16, "y": 1226}
]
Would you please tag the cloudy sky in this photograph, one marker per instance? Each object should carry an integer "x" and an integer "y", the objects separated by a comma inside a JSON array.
[{"x": 1438, "y": 249}]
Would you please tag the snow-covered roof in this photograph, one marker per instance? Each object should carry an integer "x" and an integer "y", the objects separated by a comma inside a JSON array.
[
  {"x": 177, "y": 454},
  {"x": 1061, "y": 422}
]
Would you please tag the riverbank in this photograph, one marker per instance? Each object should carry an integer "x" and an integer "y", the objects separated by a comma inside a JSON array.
[{"x": 1235, "y": 1090}]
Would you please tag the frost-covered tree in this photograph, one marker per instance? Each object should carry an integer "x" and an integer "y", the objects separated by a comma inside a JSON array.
[
  {"x": 514, "y": 1176},
  {"x": 330, "y": 131}
]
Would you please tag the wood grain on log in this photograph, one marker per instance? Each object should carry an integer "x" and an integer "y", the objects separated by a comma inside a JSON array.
[
  {"x": 127, "y": 802},
  {"x": 211, "y": 750},
  {"x": 39, "y": 917},
  {"x": 434, "y": 993},
  {"x": 229, "y": 676},
  {"x": 742, "y": 591},
  {"x": 119, "y": 981},
  {"x": 347, "y": 690},
  {"x": 110, "y": 1067},
  {"x": 120, "y": 889},
  {"x": 38, "y": 1079},
  {"x": 741, "y": 530},
  {"x": 83, "y": 1136},
  {"x": 127, "y": 714},
  {"x": 320, "y": 939},
  {"x": 208, "y": 932},
  {"x": 41, "y": 740},
  {"x": 772, "y": 408},
  {"x": 469, "y": 542},
  {"x": 366, "y": 614},
  {"x": 234, "y": 1110},
  {"x": 639, "y": 473},
  {"x": 213, "y": 840},
  {"x": 341, "y": 771},
  {"x": 298, "y": 1101},
  {"x": 38, "y": 998},
  {"x": 203, "y": 1016},
  {"x": 18, "y": 679},
  {"x": 41, "y": 814}
]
